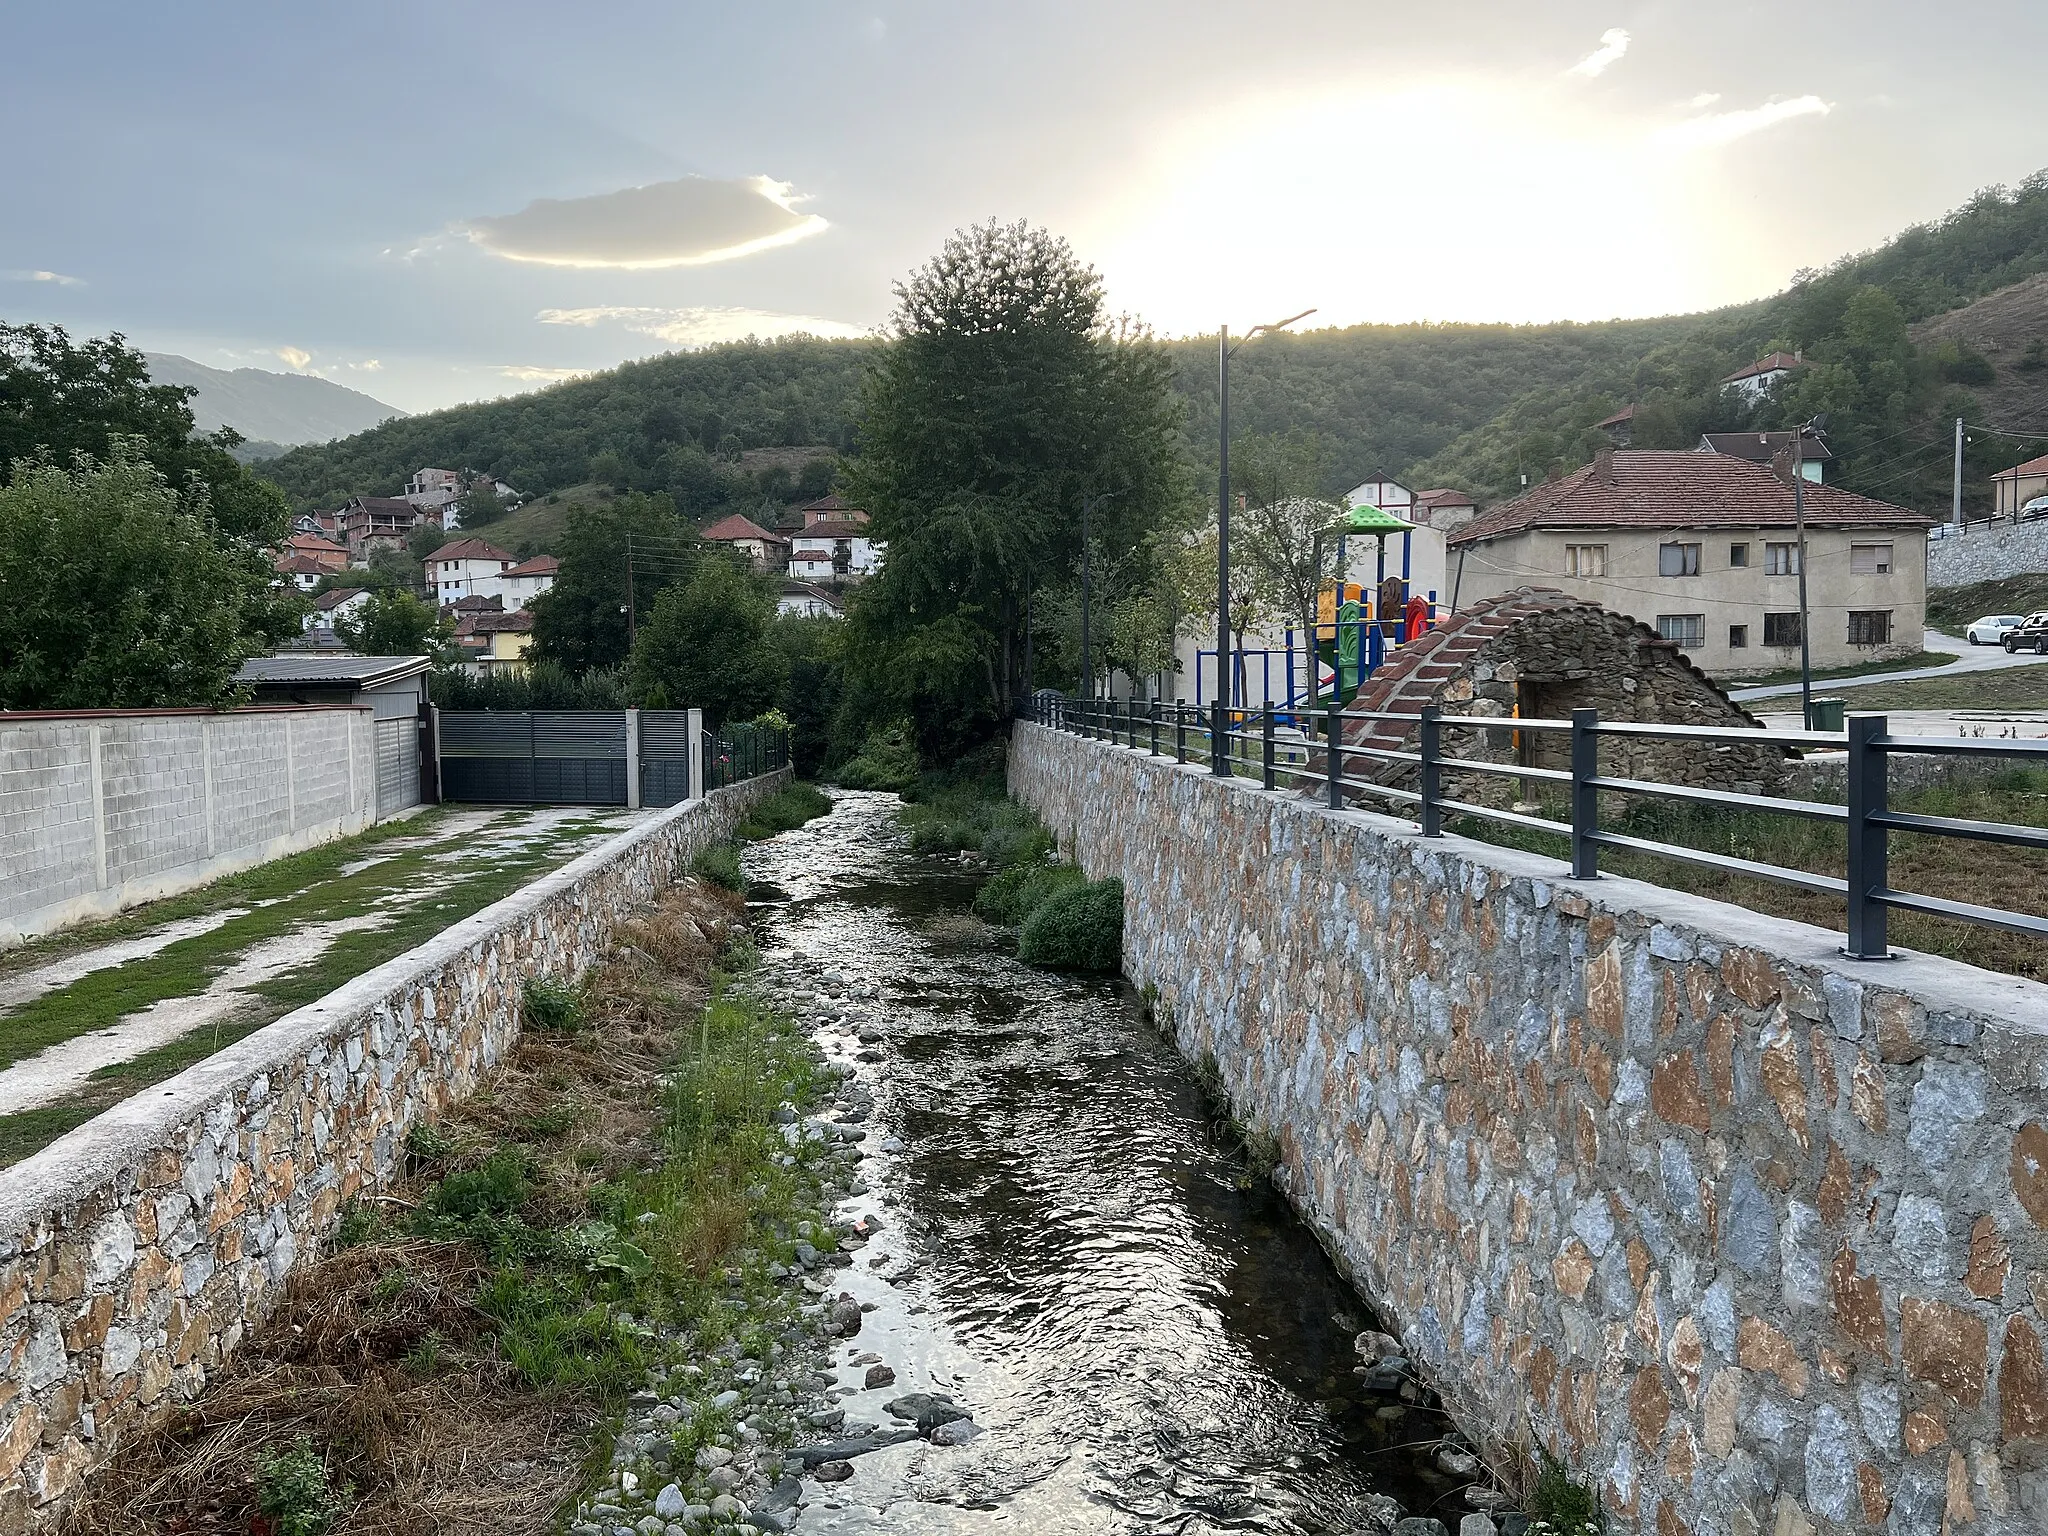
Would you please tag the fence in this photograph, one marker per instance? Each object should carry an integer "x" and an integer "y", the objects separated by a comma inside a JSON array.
[
  {"x": 626, "y": 757},
  {"x": 1255, "y": 744}
]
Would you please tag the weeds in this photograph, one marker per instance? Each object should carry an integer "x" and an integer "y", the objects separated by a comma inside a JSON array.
[
  {"x": 887, "y": 760},
  {"x": 784, "y": 811},
  {"x": 720, "y": 864},
  {"x": 293, "y": 1492},
  {"x": 1079, "y": 929},
  {"x": 1568, "y": 1508},
  {"x": 550, "y": 1005}
]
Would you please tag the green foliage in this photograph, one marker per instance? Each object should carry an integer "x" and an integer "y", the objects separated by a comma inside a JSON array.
[
  {"x": 887, "y": 760},
  {"x": 292, "y": 1492},
  {"x": 1566, "y": 1506},
  {"x": 707, "y": 645},
  {"x": 582, "y": 622},
  {"x": 1012, "y": 895},
  {"x": 720, "y": 864},
  {"x": 498, "y": 1188},
  {"x": 789, "y": 807},
  {"x": 395, "y": 623},
  {"x": 1077, "y": 930},
  {"x": 814, "y": 671},
  {"x": 123, "y": 593},
  {"x": 2034, "y": 356},
  {"x": 544, "y": 685},
  {"x": 550, "y": 1005},
  {"x": 1005, "y": 397},
  {"x": 60, "y": 398}
]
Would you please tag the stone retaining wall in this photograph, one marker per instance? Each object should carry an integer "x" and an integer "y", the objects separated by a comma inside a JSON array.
[
  {"x": 1752, "y": 1237},
  {"x": 136, "y": 1252},
  {"x": 1988, "y": 552}
]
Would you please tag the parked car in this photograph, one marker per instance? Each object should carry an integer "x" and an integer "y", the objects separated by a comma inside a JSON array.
[
  {"x": 2038, "y": 507},
  {"x": 2031, "y": 635},
  {"x": 1992, "y": 628}
]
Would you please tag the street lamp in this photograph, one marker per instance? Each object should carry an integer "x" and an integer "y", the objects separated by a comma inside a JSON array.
[
  {"x": 1219, "y": 760},
  {"x": 1817, "y": 425}
]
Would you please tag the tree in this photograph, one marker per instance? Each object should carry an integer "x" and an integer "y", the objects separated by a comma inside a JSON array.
[
  {"x": 707, "y": 644},
  {"x": 482, "y": 505},
  {"x": 583, "y": 622},
  {"x": 814, "y": 662},
  {"x": 424, "y": 540},
  {"x": 61, "y": 398},
  {"x": 122, "y": 592},
  {"x": 1276, "y": 533},
  {"x": 1005, "y": 398},
  {"x": 396, "y": 623}
]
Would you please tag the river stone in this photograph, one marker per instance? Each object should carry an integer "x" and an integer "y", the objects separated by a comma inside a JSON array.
[
  {"x": 670, "y": 1503},
  {"x": 846, "y": 1315},
  {"x": 1420, "y": 1525},
  {"x": 879, "y": 1376},
  {"x": 911, "y": 1404},
  {"x": 1477, "y": 1525},
  {"x": 832, "y": 1471},
  {"x": 1374, "y": 1347},
  {"x": 713, "y": 1456},
  {"x": 955, "y": 1431}
]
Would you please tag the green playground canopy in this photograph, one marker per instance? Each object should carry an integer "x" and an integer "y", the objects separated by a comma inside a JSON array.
[{"x": 1370, "y": 519}]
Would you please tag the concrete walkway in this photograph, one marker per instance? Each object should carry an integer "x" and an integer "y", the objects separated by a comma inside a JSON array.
[
  {"x": 1989, "y": 724},
  {"x": 1969, "y": 658}
]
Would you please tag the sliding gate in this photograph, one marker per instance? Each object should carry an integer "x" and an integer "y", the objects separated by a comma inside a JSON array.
[{"x": 533, "y": 757}]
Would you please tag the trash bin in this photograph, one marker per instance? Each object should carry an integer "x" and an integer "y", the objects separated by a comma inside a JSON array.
[{"x": 1827, "y": 715}]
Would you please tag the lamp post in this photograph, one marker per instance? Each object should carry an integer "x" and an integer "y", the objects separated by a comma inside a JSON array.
[
  {"x": 1219, "y": 763},
  {"x": 1799, "y": 432}
]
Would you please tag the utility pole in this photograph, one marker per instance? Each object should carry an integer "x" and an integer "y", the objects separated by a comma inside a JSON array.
[
  {"x": 1955, "y": 515},
  {"x": 1799, "y": 517},
  {"x": 1219, "y": 761},
  {"x": 1087, "y": 650},
  {"x": 632, "y": 626}
]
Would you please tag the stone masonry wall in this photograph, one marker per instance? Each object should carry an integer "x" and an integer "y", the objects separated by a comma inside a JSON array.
[
  {"x": 103, "y": 810},
  {"x": 1986, "y": 552},
  {"x": 137, "y": 1251},
  {"x": 1751, "y": 1236}
]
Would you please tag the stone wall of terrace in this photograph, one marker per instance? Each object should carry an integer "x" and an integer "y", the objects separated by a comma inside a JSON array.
[
  {"x": 1753, "y": 1237},
  {"x": 136, "y": 1252}
]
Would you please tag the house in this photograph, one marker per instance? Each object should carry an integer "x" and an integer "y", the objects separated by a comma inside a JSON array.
[
  {"x": 1417, "y": 556},
  {"x": 467, "y": 568},
  {"x": 766, "y": 551},
  {"x": 463, "y": 606},
  {"x": 1757, "y": 379},
  {"x": 493, "y": 642},
  {"x": 433, "y": 491},
  {"x": 370, "y": 523},
  {"x": 833, "y": 544},
  {"x": 300, "y": 571},
  {"x": 1620, "y": 427},
  {"x": 1703, "y": 546},
  {"x": 325, "y": 524},
  {"x": 330, "y": 607},
  {"x": 800, "y": 599},
  {"x": 2013, "y": 488},
  {"x": 1763, "y": 447},
  {"x": 316, "y": 547},
  {"x": 1388, "y": 494},
  {"x": 521, "y": 584},
  {"x": 1444, "y": 509}
]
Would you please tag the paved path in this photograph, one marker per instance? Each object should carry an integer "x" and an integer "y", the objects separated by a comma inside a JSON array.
[
  {"x": 1969, "y": 658},
  {"x": 1993, "y": 724}
]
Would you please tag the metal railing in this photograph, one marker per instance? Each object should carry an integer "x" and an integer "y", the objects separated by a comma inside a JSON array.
[
  {"x": 742, "y": 750},
  {"x": 1256, "y": 744}
]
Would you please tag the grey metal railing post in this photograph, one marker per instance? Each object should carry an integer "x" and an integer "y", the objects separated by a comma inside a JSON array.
[
  {"x": 1266, "y": 744},
  {"x": 1180, "y": 731},
  {"x": 1333, "y": 758},
  {"x": 1868, "y": 843},
  {"x": 1430, "y": 733},
  {"x": 1155, "y": 727},
  {"x": 1585, "y": 798},
  {"x": 1219, "y": 740}
]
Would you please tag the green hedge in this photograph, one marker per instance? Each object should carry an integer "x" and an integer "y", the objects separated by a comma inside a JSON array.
[{"x": 1079, "y": 929}]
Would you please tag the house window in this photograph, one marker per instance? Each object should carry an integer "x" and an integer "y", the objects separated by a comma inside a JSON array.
[
  {"x": 1870, "y": 627},
  {"x": 1738, "y": 635},
  {"x": 1781, "y": 560},
  {"x": 1870, "y": 559},
  {"x": 1585, "y": 559},
  {"x": 1678, "y": 560},
  {"x": 1781, "y": 629},
  {"x": 1685, "y": 629},
  {"x": 1738, "y": 556}
]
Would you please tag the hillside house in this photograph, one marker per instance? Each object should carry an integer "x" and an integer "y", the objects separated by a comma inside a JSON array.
[
  {"x": 764, "y": 550},
  {"x": 2013, "y": 488},
  {"x": 332, "y": 606},
  {"x": 1755, "y": 380},
  {"x": 494, "y": 642},
  {"x": 433, "y": 491},
  {"x": 368, "y": 523},
  {"x": 525, "y": 581},
  {"x": 801, "y": 600},
  {"x": 1620, "y": 427},
  {"x": 1763, "y": 447},
  {"x": 317, "y": 547},
  {"x": 833, "y": 544},
  {"x": 467, "y": 568},
  {"x": 1703, "y": 547},
  {"x": 300, "y": 571}
]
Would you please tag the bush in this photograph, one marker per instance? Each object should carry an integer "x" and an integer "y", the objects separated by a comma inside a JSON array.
[
  {"x": 1080, "y": 929},
  {"x": 1560, "y": 1503},
  {"x": 720, "y": 865},
  {"x": 550, "y": 1005},
  {"x": 292, "y": 1491},
  {"x": 887, "y": 760},
  {"x": 498, "y": 1188},
  {"x": 1014, "y": 894},
  {"x": 787, "y": 808}
]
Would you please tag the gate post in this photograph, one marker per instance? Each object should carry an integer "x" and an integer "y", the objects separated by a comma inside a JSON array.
[
  {"x": 696, "y": 735},
  {"x": 632, "y": 759}
]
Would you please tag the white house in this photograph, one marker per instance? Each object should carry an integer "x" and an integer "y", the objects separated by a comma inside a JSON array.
[
  {"x": 525, "y": 581},
  {"x": 802, "y": 600},
  {"x": 467, "y": 568},
  {"x": 833, "y": 544},
  {"x": 1755, "y": 380},
  {"x": 330, "y": 607}
]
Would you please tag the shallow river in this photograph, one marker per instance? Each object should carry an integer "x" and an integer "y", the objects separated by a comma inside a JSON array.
[{"x": 1150, "y": 1339}]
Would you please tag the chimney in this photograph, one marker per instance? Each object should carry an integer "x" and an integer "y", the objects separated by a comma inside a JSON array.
[
  {"x": 1603, "y": 466},
  {"x": 1554, "y": 473},
  {"x": 1781, "y": 464}
]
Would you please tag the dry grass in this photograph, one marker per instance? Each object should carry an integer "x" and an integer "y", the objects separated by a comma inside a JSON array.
[{"x": 380, "y": 1355}]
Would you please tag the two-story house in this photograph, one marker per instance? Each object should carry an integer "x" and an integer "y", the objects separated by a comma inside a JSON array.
[
  {"x": 1812, "y": 456},
  {"x": 1705, "y": 547},
  {"x": 467, "y": 568},
  {"x": 522, "y": 583},
  {"x": 369, "y": 523},
  {"x": 833, "y": 544},
  {"x": 1754, "y": 380},
  {"x": 764, "y": 550}
]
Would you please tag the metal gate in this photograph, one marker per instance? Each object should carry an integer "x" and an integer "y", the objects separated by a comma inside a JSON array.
[
  {"x": 664, "y": 756},
  {"x": 534, "y": 757},
  {"x": 398, "y": 764}
]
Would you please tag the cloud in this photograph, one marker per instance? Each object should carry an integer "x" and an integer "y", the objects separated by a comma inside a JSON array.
[
  {"x": 38, "y": 275},
  {"x": 700, "y": 327},
  {"x": 530, "y": 375},
  {"x": 1718, "y": 128},
  {"x": 1704, "y": 100},
  {"x": 368, "y": 365},
  {"x": 1613, "y": 44},
  {"x": 686, "y": 223},
  {"x": 293, "y": 355}
]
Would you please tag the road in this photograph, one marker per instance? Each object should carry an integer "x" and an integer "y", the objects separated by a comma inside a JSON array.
[{"x": 1969, "y": 658}]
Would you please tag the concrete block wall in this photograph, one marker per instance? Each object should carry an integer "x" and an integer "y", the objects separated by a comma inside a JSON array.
[
  {"x": 137, "y": 1251},
  {"x": 101, "y": 811},
  {"x": 1753, "y": 1237}
]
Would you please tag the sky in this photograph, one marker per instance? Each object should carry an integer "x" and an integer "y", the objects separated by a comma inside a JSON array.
[{"x": 435, "y": 201}]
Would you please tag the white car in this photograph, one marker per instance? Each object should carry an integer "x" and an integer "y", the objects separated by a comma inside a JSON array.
[{"x": 1993, "y": 628}]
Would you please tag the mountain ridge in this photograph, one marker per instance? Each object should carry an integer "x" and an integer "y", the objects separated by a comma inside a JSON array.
[{"x": 287, "y": 409}]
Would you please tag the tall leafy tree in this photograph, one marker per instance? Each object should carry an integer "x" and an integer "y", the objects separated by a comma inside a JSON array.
[
  {"x": 1007, "y": 396},
  {"x": 617, "y": 556},
  {"x": 395, "y": 622},
  {"x": 708, "y": 645},
  {"x": 122, "y": 592}
]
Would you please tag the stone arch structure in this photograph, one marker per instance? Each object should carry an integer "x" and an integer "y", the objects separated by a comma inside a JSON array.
[{"x": 1538, "y": 653}]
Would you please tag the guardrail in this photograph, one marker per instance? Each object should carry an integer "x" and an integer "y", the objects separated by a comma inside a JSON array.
[{"x": 1279, "y": 748}]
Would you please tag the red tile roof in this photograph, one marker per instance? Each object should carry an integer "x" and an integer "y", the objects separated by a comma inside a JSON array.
[
  {"x": 327, "y": 601},
  {"x": 472, "y": 549},
  {"x": 1443, "y": 498},
  {"x": 2031, "y": 467},
  {"x": 1679, "y": 488},
  {"x": 518, "y": 622},
  {"x": 1777, "y": 362},
  {"x": 539, "y": 565},
  {"x": 826, "y": 504},
  {"x": 300, "y": 565},
  {"x": 1623, "y": 416},
  {"x": 735, "y": 527}
]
